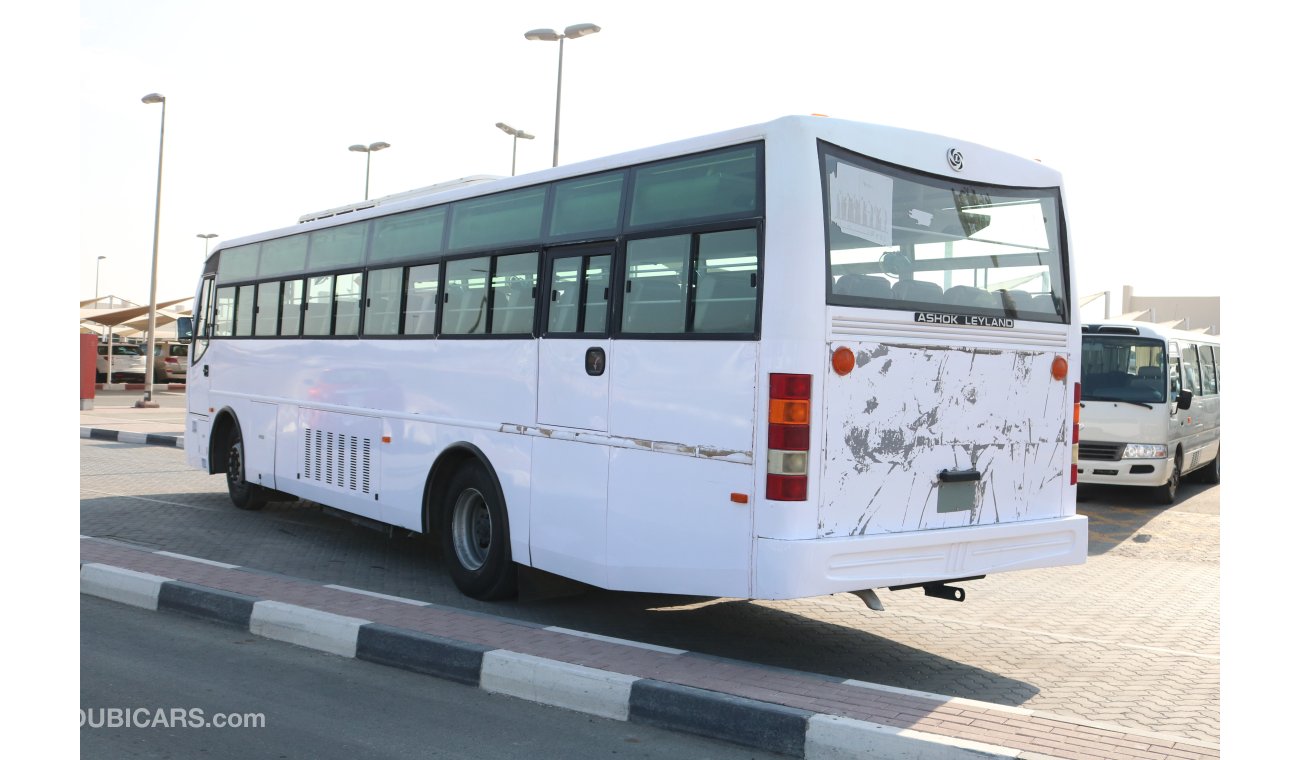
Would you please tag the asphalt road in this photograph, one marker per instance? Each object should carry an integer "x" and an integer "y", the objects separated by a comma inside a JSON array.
[
  {"x": 191, "y": 688},
  {"x": 1130, "y": 637}
]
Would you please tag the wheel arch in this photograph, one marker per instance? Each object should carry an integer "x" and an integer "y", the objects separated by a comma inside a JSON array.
[
  {"x": 444, "y": 467},
  {"x": 223, "y": 426}
]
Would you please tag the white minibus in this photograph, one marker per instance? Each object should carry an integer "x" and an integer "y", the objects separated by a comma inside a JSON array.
[{"x": 1150, "y": 410}]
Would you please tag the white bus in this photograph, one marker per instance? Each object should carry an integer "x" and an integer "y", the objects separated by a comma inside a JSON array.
[
  {"x": 1150, "y": 411},
  {"x": 802, "y": 357}
]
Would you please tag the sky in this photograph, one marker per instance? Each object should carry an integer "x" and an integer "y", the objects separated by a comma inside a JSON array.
[
  {"x": 264, "y": 98},
  {"x": 1170, "y": 122}
]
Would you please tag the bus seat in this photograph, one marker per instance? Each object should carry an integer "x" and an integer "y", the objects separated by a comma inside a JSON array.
[
  {"x": 382, "y": 319},
  {"x": 514, "y": 314},
  {"x": 463, "y": 312},
  {"x": 564, "y": 309},
  {"x": 655, "y": 305},
  {"x": 421, "y": 312},
  {"x": 725, "y": 303},
  {"x": 918, "y": 290},
  {"x": 966, "y": 295},
  {"x": 864, "y": 285},
  {"x": 1045, "y": 302},
  {"x": 1017, "y": 300}
]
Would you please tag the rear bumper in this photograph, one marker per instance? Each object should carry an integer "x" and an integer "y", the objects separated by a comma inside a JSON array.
[{"x": 792, "y": 569}]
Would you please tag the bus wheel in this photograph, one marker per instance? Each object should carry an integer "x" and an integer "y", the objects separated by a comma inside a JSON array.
[
  {"x": 245, "y": 495},
  {"x": 1168, "y": 493},
  {"x": 474, "y": 537}
]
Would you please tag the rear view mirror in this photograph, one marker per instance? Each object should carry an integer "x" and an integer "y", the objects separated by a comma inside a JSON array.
[
  {"x": 185, "y": 329},
  {"x": 1184, "y": 399}
]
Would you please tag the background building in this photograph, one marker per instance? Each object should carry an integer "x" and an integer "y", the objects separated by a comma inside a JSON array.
[{"x": 1195, "y": 313}]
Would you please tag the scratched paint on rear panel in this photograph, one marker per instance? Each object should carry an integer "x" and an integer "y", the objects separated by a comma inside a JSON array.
[{"x": 906, "y": 413}]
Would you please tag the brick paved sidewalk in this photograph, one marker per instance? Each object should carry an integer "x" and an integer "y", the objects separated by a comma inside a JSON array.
[{"x": 954, "y": 725}]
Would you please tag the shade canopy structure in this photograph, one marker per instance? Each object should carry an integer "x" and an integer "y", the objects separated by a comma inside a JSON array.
[
  {"x": 164, "y": 324},
  {"x": 133, "y": 320},
  {"x": 115, "y": 317}
]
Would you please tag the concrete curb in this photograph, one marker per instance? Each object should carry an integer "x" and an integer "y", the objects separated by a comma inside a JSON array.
[
  {"x": 737, "y": 720},
  {"x": 153, "y": 439}
]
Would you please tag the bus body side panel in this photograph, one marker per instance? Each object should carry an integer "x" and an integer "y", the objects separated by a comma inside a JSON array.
[
  {"x": 1208, "y": 444},
  {"x": 569, "y": 523},
  {"x": 945, "y": 435},
  {"x": 687, "y": 410},
  {"x": 672, "y": 527},
  {"x": 476, "y": 393},
  {"x": 335, "y": 404}
]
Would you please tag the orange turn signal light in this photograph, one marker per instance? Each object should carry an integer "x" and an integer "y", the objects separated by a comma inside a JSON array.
[
  {"x": 1060, "y": 368},
  {"x": 788, "y": 411},
  {"x": 843, "y": 361}
]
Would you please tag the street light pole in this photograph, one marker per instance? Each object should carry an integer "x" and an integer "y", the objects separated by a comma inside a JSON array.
[
  {"x": 550, "y": 35},
  {"x": 516, "y": 134},
  {"x": 368, "y": 149},
  {"x": 101, "y": 258},
  {"x": 207, "y": 238},
  {"x": 148, "y": 401}
]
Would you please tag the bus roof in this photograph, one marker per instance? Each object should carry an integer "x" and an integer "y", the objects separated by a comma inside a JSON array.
[{"x": 920, "y": 150}]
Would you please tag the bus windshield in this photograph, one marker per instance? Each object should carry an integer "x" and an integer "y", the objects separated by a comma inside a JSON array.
[
  {"x": 900, "y": 239},
  {"x": 1123, "y": 368}
]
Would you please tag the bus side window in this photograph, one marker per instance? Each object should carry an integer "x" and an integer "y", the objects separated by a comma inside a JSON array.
[
  {"x": 726, "y": 294},
  {"x": 203, "y": 320},
  {"x": 654, "y": 301},
  {"x": 1191, "y": 370},
  {"x": 1175, "y": 372},
  {"x": 1209, "y": 372},
  {"x": 223, "y": 320}
]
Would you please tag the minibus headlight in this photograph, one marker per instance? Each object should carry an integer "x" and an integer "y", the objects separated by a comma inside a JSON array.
[{"x": 1146, "y": 451}]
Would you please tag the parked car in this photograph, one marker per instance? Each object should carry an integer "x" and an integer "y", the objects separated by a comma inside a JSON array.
[
  {"x": 174, "y": 358},
  {"x": 128, "y": 363}
]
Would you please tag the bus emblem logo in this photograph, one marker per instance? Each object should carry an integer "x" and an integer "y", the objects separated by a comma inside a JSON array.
[{"x": 954, "y": 159}]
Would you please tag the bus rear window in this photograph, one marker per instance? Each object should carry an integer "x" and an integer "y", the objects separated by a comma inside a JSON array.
[{"x": 904, "y": 240}]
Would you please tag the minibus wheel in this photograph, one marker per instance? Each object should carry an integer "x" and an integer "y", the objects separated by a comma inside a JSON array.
[
  {"x": 474, "y": 536},
  {"x": 243, "y": 494},
  {"x": 1168, "y": 493}
]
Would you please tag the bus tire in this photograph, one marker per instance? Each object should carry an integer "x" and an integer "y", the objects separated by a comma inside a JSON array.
[
  {"x": 1168, "y": 493},
  {"x": 243, "y": 494},
  {"x": 474, "y": 536}
]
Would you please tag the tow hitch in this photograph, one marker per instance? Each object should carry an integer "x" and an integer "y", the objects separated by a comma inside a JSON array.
[
  {"x": 941, "y": 589},
  {"x": 938, "y": 589}
]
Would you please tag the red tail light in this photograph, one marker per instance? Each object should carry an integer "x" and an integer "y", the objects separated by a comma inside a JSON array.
[
  {"x": 788, "y": 434},
  {"x": 1074, "y": 462}
]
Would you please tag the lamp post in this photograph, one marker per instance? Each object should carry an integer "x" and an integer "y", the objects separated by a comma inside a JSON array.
[
  {"x": 207, "y": 239},
  {"x": 101, "y": 258},
  {"x": 550, "y": 35},
  {"x": 148, "y": 401},
  {"x": 368, "y": 149},
  {"x": 516, "y": 134}
]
